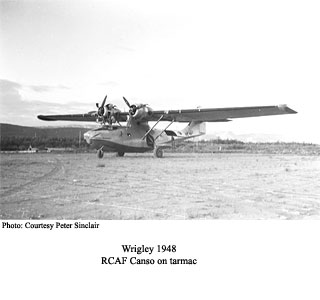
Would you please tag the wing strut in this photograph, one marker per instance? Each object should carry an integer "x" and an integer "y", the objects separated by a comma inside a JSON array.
[
  {"x": 152, "y": 127},
  {"x": 163, "y": 130}
]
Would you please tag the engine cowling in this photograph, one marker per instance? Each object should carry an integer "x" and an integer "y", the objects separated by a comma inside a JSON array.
[{"x": 140, "y": 112}]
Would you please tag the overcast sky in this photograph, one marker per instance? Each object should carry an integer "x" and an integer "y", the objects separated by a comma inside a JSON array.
[{"x": 64, "y": 56}]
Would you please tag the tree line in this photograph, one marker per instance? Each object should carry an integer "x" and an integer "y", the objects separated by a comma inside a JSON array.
[{"x": 14, "y": 143}]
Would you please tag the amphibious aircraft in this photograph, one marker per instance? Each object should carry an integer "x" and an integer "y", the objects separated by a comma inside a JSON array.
[{"x": 139, "y": 136}]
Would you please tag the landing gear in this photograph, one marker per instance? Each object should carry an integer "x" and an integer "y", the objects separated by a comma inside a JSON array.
[
  {"x": 120, "y": 154},
  {"x": 100, "y": 153},
  {"x": 158, "y": 152}
]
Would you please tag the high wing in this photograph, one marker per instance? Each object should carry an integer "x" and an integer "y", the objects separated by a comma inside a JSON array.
[
  {"x": 88, "y": 117},
  {"x": 219, "y": 114},
  {"x": 74, "y": 117},
  {"x": 186, "y": 115}
]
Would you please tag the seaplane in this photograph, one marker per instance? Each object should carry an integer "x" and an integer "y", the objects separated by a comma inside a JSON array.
[{"x": 138, "y": 136}]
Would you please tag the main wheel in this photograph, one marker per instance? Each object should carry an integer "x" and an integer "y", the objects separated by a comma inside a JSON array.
[
  {"x": 158, "y": 152},
  {"x": 100, "y": 153},
  {"x": 120, "y": 154}
]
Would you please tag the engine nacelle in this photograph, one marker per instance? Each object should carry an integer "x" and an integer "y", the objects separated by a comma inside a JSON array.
[{"x": 140, "y": 112}]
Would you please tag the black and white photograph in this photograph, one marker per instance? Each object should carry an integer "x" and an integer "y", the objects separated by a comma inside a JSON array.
[{"x": 163, "y": 129}]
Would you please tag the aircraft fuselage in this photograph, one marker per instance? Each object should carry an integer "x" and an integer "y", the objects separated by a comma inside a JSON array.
[
  {"x": 137, "y": 137},
  {"x": 124, "y": 138}
]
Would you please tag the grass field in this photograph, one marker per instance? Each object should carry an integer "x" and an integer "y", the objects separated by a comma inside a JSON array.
[{"x": 179, "y": 186}]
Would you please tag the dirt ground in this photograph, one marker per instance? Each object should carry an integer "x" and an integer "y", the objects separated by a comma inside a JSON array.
[{"x": 179, "y": 186}]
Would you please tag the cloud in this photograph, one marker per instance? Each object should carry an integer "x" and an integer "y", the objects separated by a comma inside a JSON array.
[
  {"x": 10, "y": 97},
  {"x": 9, "y": 89},
  {"x": 8, "y": 85},
  {"x": 47, "y": 88},
  {"x": 16, "y": 109}
]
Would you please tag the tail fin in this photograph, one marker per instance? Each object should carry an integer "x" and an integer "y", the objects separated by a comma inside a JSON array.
[{"x": 194, "y": 128}]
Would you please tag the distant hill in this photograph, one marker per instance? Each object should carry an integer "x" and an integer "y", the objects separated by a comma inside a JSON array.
[{"x": 9, "y": 130}]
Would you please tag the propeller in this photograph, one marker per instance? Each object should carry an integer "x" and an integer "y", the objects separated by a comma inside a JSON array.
[
  {"x": 109, "y": 113},
  {"x": 132, "y": 108},
  {"x": 100, "y": 111}
]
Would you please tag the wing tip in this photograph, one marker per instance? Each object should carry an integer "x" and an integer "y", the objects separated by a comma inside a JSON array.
[
  {"x": 287, "y": 109},
  {"x": 44, "y": 118}
]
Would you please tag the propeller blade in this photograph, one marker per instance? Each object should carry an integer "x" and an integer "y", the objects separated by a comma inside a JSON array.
[
  {"x": 104, "y": 101},
  {"x": 126, "y": 101}
]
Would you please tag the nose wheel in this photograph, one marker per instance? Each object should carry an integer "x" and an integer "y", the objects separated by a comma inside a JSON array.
[{"x": 100, "y": 153}]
